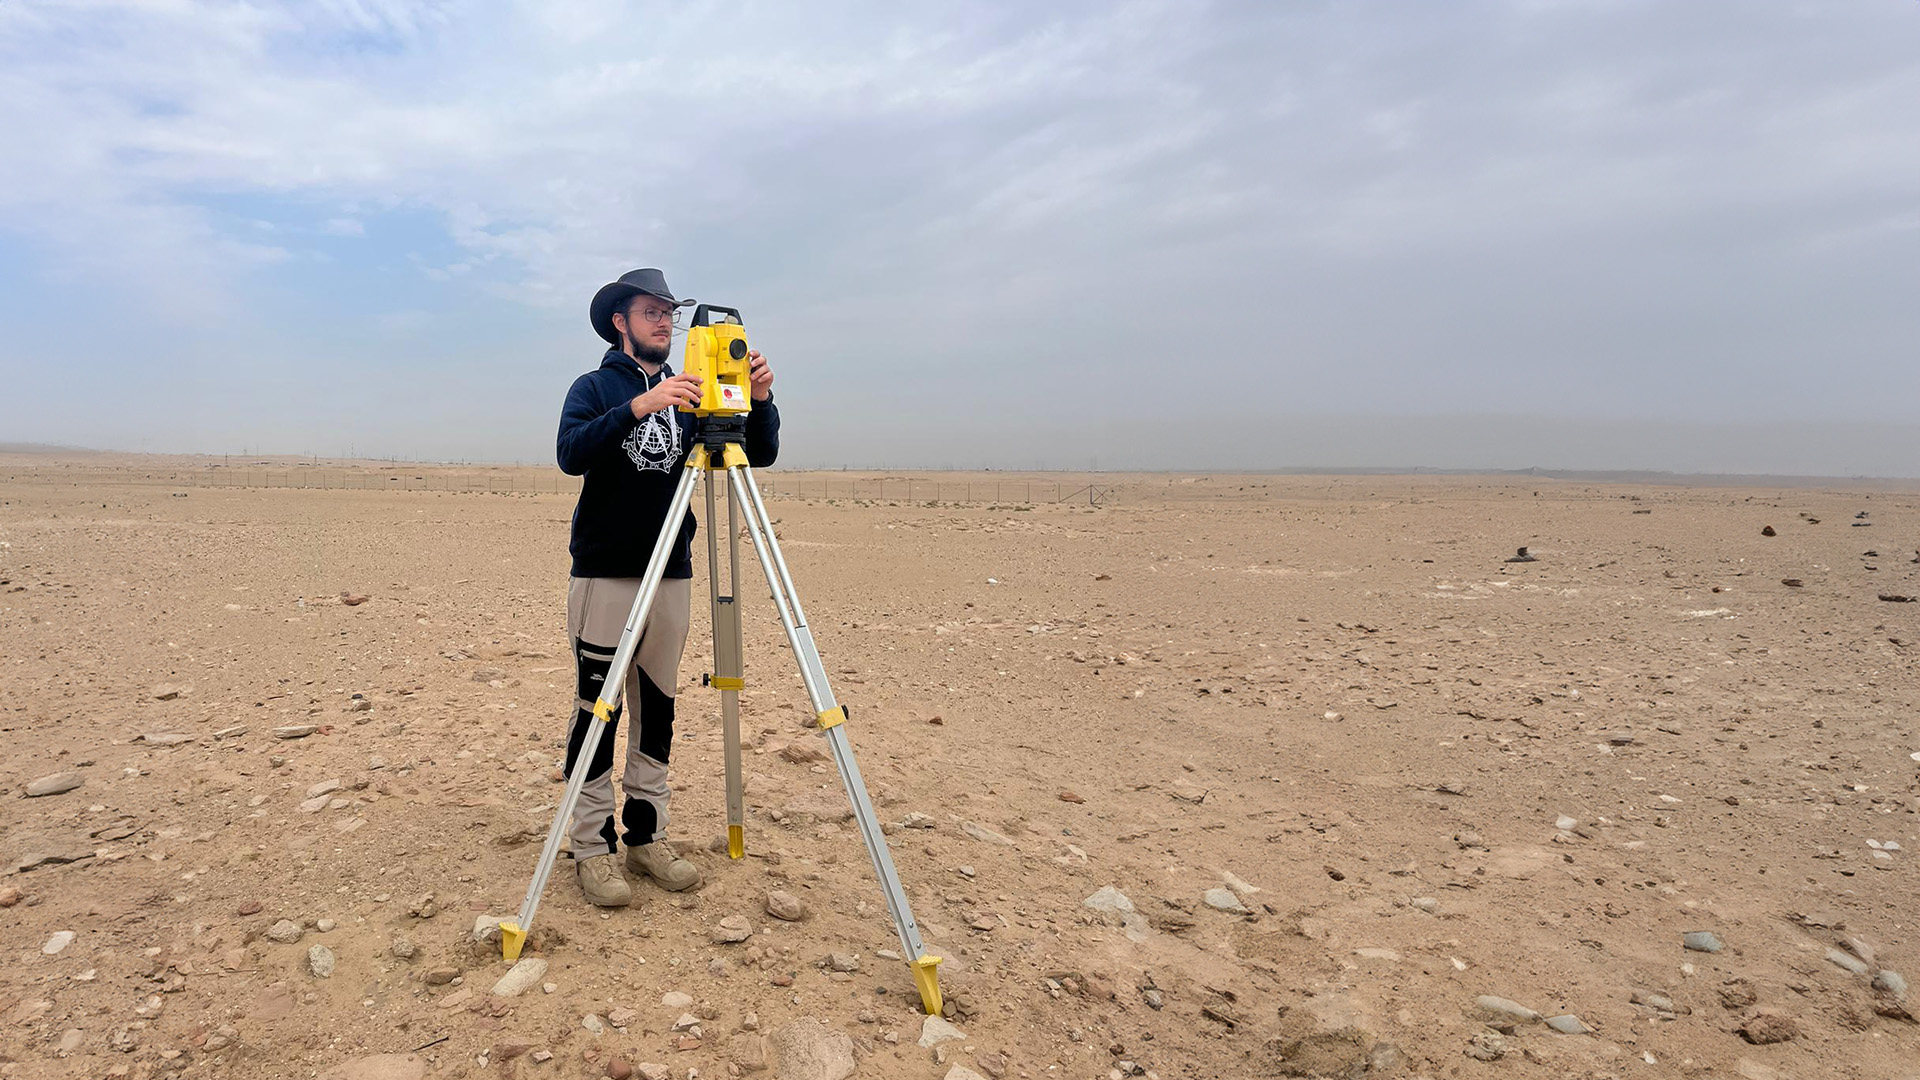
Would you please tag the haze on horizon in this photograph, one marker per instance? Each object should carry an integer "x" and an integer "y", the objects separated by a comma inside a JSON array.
[{"x": 1584, "y": 234}]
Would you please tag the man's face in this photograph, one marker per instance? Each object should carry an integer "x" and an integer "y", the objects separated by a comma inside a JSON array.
[{"x": 648, "y": 325}]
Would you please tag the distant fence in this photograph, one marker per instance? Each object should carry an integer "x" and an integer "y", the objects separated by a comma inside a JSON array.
[{"x": 529, "y": 481}]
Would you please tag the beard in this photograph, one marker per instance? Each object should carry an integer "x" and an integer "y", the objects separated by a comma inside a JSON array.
[{"x": 652, "y": 354}]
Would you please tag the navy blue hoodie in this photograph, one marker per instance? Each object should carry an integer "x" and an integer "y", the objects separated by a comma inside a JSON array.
[{"x": 633, "y": 466}]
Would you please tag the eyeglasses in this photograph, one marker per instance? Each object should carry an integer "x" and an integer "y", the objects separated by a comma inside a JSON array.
[{"x": 654, "y": 314}]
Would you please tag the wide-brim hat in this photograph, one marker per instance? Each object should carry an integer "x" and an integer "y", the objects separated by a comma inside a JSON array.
[{"x": 614, "y": 294}]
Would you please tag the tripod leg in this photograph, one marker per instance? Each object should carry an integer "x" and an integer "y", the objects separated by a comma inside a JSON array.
[
  {"x": 832, "y": 718},
  {"x": 727, "y": 668},
  {"x": 513, "y": 935}
]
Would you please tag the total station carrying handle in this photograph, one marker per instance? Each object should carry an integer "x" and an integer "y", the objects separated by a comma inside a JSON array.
[{"x": 700, "y": 314}]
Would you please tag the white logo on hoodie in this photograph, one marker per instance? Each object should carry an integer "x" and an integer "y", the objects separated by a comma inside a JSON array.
[{"x": 654, "y": 445}]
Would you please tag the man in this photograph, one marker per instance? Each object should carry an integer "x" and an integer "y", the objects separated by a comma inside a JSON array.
[{"x": 621, "y": 430}]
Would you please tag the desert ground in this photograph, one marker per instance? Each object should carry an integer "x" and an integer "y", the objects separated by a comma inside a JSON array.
[{"x": 1381, "y": 802}]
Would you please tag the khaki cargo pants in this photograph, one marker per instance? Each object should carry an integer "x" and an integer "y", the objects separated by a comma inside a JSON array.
[{"x": 597, "y": 610}]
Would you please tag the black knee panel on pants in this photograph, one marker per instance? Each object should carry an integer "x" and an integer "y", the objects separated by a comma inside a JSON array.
[
  {"x": 590, "y": 676},
  {"x": 653, "y": 722}
]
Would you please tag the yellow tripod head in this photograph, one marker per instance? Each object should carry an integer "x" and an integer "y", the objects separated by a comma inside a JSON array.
[{"x": 717, "y": 353}]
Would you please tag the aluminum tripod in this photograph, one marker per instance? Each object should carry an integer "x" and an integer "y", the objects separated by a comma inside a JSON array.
[{"x": 720, "y": 452}]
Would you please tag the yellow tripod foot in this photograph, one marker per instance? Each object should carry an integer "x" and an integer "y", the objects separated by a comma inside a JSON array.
[
  {"x": 736, "y": 841},
  {"x": 926, "y": 977},
  {"x": 512, "y": 940}
]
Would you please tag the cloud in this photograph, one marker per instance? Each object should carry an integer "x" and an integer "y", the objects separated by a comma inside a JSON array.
[{"x": 1618, "y": 209}]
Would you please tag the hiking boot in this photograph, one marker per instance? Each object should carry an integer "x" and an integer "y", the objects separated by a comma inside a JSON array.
[
  {"x": 604, "y": 884},
  {"x": 657, "y": 861}
]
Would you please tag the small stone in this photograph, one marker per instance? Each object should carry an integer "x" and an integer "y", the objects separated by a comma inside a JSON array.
[
  {"x": 1765, "y": 1026},
  {"x": 934, "y": 1031},
  {"x": 807, "y": 1048},
  {"x": 441, "y": 976},
  {"x": 1505, "y": 1007},
  {"x": 320, "y": 961},
  {"x": 1847, "y": 961},
  {"x": 621, "y": 1017},
  {"x": 54, "y": 784},
  {"x": 165, "y": 738},
  {"x": 732, "y": 930},
  {"x": 647, "y": 1070},
  {"x": 521, "y": 977},
  {"x": 593, "y": 1024},
  {"x": 541, "y": 1056},
  {"x": 1737, "y": 994},
  {"x": 165, "y": 692},
  {"x": 58, "y": 943},
  {"x": 961, "y": 1072},
  {"x": 295, "y": 731},
  {"x": 1220, "y": 898},
  {"x": 843, "y": 961},
  {"x": 486, "y": 929},
  {"x": 9, "y": 896},
  {"x": 785, "y": 906},
  {"x": 618, "y": 1069},
  {"x": 1425, "y": 903},
  {"x": 674, "y": 999},
  {"x": 325, "y": 926},
  {"x": 1701, "y": 941},
  {"x": 402, "y": 948},
  {"x": 687, "y": 1022},
  {"x": 994, "y": 1065},
  {"x": 1860, "y": 948},
  {"x": 286, "y": 932},
  {"x": 1568, "y": 1025},
  {"x": 324, "y": 787}
]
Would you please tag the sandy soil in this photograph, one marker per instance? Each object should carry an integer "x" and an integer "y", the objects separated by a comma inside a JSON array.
[{"x": 1428, "y": 775}]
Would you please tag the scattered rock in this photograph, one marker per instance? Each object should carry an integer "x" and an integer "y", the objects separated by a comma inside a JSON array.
[
  {"x": 1568, "y": 1025},
  {"x": 1765, "y": 1026},
  {"x": 1500, "y": 1006},
  {"x": 1891, "y": 983},
  {"x": 732, "y": 930},
  {"x": 1767, "y": 530},
  {"x": 295, "y": 731},
  {"x": 165, "y": 738},
  {"x": 58, "y": 943},
  {"x": 618, "y": 1069},
  {"x": 320, "y": 961},
  {"x": 785, "y": 906},
  {"x": 808, "y": 1050},
  {"x": 985, "y": 835},
  {"x": 9, "y": 896},
  {"x": 843, "y": 962},
  {"x": 440, "y": 976},
  {"x": 165, "y": 692},
  {"x": 1701, "y": 941},
  {"x": 1737, "y": 994},
  {"x": 286, "y": 932},
  {"x": 748, "y": 1051},
  {"x": 934, "y": 1031},
  {"x": 1220, "y": 898},
  {"x": 961, "y": 1072},
  {"x": 54, "y": 784},
  {"x": 1521, "y": 556},
  {"x": 1847, "y": 961},
  {"x": 674, "y": 999},
  {"x": 523, "y": 976},
  {"x": 402, "y": 948}
]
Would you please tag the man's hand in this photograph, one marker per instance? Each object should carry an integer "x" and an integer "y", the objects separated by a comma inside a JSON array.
[
  {"x": 682, "y": 389},
  {"x": 759, "y": 376}
]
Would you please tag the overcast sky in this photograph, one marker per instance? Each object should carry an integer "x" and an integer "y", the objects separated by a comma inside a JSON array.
[{"x": 1564, "y": 233}]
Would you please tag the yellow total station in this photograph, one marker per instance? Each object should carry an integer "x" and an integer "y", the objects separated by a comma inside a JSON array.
[{"x": 717, "y": 353}]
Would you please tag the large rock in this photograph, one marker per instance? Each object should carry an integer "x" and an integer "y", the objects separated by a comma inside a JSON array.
[
  {"x": 785, "y": 906},
  {"x": 522, "y": 977},
  {"x": 809, "y": 1050},
  {"x": 379, "y": 1067}
]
